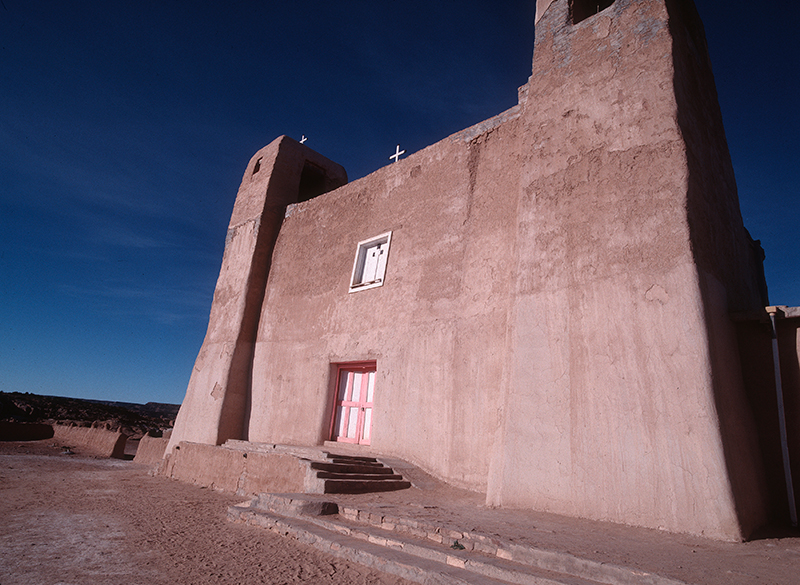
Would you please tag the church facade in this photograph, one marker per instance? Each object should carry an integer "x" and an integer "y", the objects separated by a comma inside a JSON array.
[{"x": 537, "y": 308}]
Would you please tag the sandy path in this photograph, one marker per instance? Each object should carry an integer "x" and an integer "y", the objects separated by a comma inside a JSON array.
[{"x": 73, "y": 520}]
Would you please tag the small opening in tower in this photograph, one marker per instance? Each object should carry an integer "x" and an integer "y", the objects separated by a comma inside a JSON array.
[
  {"x": 312, "y": 182},
  {"x": 583, "y": 9},
  {"x": 257, "y": 166}
]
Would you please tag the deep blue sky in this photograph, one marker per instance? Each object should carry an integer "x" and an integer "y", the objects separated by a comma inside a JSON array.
[{"x": 125, "y": 128}]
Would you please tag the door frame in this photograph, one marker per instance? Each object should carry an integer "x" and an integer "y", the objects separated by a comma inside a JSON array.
[{"x": 336, "y": 373}]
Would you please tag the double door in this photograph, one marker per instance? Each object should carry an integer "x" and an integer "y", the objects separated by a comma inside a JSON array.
[{"x": 353, "y": 409}]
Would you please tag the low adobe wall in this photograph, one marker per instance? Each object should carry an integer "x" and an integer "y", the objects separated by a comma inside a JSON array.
[
  {"x": 234, "y": 471},
  {"x": 151, "y": 450},
  {"x": 97, "y": 441}
]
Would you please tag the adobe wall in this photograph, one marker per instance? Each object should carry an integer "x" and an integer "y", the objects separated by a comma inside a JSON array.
[
  {"x": 150, "y": 450},
  {"x": 609, "y": 346},
  {"x": 234, "y": 471},
  {"x": 100, "y": 442},
  {"x": 553, "y": 329},
  {"x": 436, "y": 328},
  {"x": 217, "y": 397},
  {"x": 728, "y": 261},
  {"x": 543, "y": 324}
]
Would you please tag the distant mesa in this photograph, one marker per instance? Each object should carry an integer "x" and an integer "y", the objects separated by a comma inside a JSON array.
[{"x": 25, "y": 416}]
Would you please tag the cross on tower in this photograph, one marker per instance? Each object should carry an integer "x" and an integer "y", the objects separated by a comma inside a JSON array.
[{"x": 397, "y": 153}]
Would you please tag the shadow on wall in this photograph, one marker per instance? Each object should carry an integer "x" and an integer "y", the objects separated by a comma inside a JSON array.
[
  {"x": 755, "y": 346},
  {"x": 728, "y": 263}
]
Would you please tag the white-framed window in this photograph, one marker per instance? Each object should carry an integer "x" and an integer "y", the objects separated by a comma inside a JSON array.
[{"x": 369, "y": 267}]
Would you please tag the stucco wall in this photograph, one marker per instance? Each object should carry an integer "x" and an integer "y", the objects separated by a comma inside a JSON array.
[
  {"x": 100, "y": 442},
  {"x": 150, "y": 450},
  {"x": 542, "y": 306},
  {"x": 610, "y": 355},
  {"x": 234, "y": 471},
  {"x": 553, "y": 327},
  {"x": 436, "y": 328},
  {"x": 217, "y": 398}
]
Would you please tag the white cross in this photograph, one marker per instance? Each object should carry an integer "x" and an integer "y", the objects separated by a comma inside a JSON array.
[
  {"x": 397, "y": 153},
  {"x": 303, "y": 139}
]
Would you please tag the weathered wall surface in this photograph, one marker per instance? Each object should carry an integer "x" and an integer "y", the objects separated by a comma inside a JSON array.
[
  {"x": 541, "y": 8},
  {"x": 100, "y": 442}
]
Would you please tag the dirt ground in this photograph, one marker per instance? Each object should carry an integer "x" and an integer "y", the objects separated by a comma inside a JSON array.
[{"x": 73, "y": 520}]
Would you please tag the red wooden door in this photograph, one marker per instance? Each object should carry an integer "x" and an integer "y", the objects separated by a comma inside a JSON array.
[{"x": 353, "y": 410}]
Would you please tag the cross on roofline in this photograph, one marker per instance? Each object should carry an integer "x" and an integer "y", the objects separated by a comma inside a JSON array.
[
  {"x": 397, "y": 153},
  {"x": 303, "y": 139}
]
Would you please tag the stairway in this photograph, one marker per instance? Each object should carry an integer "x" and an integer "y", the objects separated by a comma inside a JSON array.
[
  {"x": 426, "y": 551},
  {"x": 347, "y": 474}
]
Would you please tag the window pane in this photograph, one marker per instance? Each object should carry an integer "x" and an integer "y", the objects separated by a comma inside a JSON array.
[
  {"x": 339, "y": 426},
  {"x": 367, "y": 423},
  {"x": 371, "y": 263},
  {"x": 343, "y": 384},
  {"x": 369, "y": 266},
  {"x": 357, "y": 386},
  {"x": 371, "y": 387},
  {"x": 380, "y": 268},
  {"x": 351, "y": 424}
]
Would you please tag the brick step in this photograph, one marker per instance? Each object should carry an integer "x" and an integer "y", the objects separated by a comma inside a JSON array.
[
  {"x": 370, "y": 476},
  {"x": 348, "y": 468},
  {"x": 363, "y": 486},
  {"x": 415, "y": 559}
]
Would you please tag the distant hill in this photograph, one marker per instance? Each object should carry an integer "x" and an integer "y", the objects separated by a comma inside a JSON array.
[{"x": 135, "y": 420}]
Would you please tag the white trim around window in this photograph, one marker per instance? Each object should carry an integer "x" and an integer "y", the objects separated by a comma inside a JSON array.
[{"x": 369, "y": 266}]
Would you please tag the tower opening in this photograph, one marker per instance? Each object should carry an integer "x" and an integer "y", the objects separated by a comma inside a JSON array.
[
  {"x": 583, "y": 9},
  {"x": 312, "y": 182}
]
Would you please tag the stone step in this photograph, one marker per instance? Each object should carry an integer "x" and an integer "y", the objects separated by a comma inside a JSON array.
[
  {"x": 351, "y": 458},
  {"x": 363, "y": 486},
  {"x": 293, "y": 505},
  {"x": 369, "y": 476},
  {"x": 354, "y": 461},
  {"x": 486, "y": 555},
  {"x": 348, "y": 468},
  {"x": 345, "y": 474},
  {"x": 418, "y": 561}
]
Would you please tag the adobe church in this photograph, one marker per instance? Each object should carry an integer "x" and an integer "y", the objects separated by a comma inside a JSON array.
[{"x": 541, "y": 307}]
